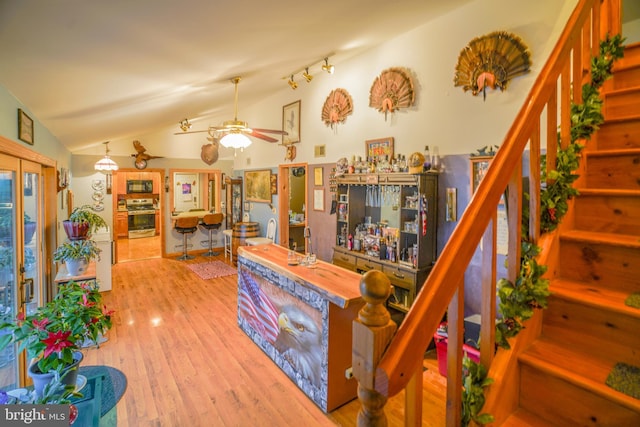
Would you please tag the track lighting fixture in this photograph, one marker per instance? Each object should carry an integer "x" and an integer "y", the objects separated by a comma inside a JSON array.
[
  {"x": 292, "y": 83},
  {"x": 327, "y": 67},
  {"x": 308, "y": 77},
  {"x": 185, "y": 125}
]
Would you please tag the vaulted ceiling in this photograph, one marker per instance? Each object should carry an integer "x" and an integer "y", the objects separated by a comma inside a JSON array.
[{"x": 92, "y": 71}]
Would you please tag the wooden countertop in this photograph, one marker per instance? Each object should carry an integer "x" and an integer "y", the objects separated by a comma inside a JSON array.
[{"x": 338, "y": 285}]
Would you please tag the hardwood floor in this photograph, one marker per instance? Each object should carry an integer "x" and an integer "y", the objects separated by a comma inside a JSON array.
[
  {"x": 138, "y": 249},
  {"x": 187, "y": 362}
]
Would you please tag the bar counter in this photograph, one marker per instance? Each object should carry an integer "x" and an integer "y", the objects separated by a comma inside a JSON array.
[{"x": 301, "y": 317}]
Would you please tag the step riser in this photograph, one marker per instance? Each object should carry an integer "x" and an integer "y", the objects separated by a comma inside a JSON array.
[
  {"x": 564, "y": 404},
  {"x": 618, "y": 172},
  {"x": 626, "y": 78},
  {"x": 602, "y": 265},
  {"x": 621, "y": 105},
  {"x": 608, "y": 214},
  {"x": 610, "y": 335},
  {"x": 617, "y": 135}
]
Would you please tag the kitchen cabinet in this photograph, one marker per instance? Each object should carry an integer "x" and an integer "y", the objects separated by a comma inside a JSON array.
[
  {"x": 157, "y": 222},
  {"x": 388, "y": 222},
  {"x": 233, "y": 209},
  {"x": 122, "y": 226},
  {"x": 157, "y": 183}
]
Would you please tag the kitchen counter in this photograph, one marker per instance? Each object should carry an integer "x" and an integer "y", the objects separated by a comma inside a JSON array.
[{"x": 301, "y": 317}]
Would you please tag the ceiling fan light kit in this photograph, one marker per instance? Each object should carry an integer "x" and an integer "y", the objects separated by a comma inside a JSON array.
[{"x": 235, "y": 140}]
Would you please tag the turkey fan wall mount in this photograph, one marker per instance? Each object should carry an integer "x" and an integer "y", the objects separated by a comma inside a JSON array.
[
  {"x": 392, "y": 90},
  {"x": 236, "y": 126},
  {"x": 337, "y": 107},
  {"x": 491, "y": 61}
]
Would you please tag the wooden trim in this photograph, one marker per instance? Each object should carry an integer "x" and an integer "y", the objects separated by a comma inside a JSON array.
[{"x": 14, "y": 149}]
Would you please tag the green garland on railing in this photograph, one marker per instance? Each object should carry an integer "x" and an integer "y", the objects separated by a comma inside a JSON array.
[{"x": 530, "y": 291}]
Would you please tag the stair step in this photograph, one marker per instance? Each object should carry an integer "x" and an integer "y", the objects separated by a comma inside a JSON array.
[
  {"x": 601, "y": 259},
  {"x": 612, "y": 211},
  {"x": 621, "y": 103},
  {"x": 614, "y": 169},
  {"x": 626, "y": 78},
  {"x": 609, "y": 335},
  {"x": 524, "y": 418},
  {"x": 619, "y": 134},
  {"x": 582, "y": 372},
  {"x": 609, "y": 297}
]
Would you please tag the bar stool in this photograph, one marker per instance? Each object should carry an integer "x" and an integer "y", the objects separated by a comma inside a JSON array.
[
  {"x": 186, "y": 226},
  {"x": 211, "y": 222},
  {"x": 228, "y": 235}
]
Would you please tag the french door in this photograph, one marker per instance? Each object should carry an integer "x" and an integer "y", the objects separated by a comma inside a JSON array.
[{"x": 21, "y": 253}]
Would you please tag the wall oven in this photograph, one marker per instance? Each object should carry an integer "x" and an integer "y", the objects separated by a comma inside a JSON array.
[{"x": 141, "y": 218}]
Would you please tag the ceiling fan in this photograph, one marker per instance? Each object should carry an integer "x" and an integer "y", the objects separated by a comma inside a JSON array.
[{"x": 236, "y": 127}]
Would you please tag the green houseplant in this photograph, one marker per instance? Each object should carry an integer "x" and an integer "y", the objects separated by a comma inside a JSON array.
[
  {"x": 82, "y": 222},
  {"x": 76, "y": 254},
  {"x": 55, "y": 332}
]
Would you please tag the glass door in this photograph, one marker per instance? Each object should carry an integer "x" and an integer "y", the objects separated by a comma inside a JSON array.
[{"x": 21, "y": 251}]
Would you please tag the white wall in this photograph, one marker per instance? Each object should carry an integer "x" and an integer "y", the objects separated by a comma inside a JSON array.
[{"x": 443, "y": 115}]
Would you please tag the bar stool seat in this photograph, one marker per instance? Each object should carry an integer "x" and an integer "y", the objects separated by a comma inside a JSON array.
[
  {"x": 186, "y": 226},
  {"x": 211, "y": 222},
  {"x": 227, "y": 235}
]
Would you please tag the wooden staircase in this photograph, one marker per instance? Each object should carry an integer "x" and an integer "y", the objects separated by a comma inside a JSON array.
[{"x": 587, "y": 328}]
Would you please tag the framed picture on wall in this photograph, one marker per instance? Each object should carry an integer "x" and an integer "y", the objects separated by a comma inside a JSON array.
[
  {"x": 317, "y": 176},
  {"x": 258, "y": 186},
  {"x": 318, "y": 199},
  {"x": 291, "y": 123},
  {"x": 25, "y": 127},
  {"x": 379, "y": 147}
]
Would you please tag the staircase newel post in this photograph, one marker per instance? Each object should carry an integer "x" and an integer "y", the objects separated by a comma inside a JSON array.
[{"x": 372, "y": 332}]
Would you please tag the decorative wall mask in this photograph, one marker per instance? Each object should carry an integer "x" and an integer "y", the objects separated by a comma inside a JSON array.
[
  {"x": 392, "y": 90},
  {"x": 491, "y": 60},
  {"x": 209, "y": 152},
  {"x": 337, "y": 107}
]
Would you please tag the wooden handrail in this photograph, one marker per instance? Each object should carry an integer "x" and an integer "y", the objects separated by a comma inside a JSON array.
[{"x": 558, "y": 83}]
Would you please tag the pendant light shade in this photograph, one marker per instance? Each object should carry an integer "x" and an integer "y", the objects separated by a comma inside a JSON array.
[
  {"x": 106, "y": 164},
  {"x": 235, "y": 140}
]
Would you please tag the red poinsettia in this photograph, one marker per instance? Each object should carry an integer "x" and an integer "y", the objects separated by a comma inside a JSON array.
[{"x": 56, "y": 342}]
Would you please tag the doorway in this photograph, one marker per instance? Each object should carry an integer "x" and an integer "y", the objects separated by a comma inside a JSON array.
[
  {"x": 138, "y": 222},
  {"x": 293, "y": 205}
]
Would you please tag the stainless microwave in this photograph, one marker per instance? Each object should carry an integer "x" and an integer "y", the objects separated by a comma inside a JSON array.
[{"x": 139, "y": 186}]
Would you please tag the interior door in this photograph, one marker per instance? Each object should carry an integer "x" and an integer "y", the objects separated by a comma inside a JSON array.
[{"x": 21, "y": 249}]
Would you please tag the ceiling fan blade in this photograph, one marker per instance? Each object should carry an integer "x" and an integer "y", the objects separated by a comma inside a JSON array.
[
  {"x": 191, "y": 131},
  {"x": 261, "y": 136},
  {"x": 279, "y": 132}
]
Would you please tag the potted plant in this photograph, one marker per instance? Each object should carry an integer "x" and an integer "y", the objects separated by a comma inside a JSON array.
[
  {"x": 82, "y": 222},
  {"x": 76, "y": 254},
  {"x": 54, "y": 333}
]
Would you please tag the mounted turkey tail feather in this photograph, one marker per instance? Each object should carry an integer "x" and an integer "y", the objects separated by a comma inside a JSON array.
[
  {"x": 491, "y": 61},
  {"x": 392, "y": 90},
  {"x": 337, "y": 107}
]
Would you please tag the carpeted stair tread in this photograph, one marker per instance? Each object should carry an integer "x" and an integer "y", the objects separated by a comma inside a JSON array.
[
  {"x": 580, "y": 369},
  {"x": 625, "y": 378},
  {"x": 633, "y": 301}
]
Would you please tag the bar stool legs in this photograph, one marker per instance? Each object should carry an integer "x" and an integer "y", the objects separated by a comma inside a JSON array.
[
  {"x": 185, "y": 256},
  {"x": 211, "y": 251}
]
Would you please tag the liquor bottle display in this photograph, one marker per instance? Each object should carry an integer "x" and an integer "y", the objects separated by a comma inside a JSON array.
[{"x": 387, "y": 222}]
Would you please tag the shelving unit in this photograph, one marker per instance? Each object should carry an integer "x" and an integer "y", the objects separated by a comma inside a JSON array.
[
  {"x": 233, "y": 210},
  {"x": 403, "y": 208}
]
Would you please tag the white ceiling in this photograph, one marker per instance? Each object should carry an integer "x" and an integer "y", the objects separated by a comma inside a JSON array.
[{"x": 92, "y": 71}]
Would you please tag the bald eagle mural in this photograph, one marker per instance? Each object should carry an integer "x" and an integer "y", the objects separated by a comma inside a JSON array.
[{"x": 281, "y": 322}]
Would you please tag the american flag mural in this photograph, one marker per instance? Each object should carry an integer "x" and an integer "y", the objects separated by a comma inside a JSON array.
[{"x": 257, "y": 308}]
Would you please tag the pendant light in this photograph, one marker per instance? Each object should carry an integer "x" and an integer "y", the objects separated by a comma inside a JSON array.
[{"x": 106, "y": 164}]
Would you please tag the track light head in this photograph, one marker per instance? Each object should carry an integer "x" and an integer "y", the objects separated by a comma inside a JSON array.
[
  {"x": 327, "y": 67},
  {"x": 292, "y": 83},
  {"x": 308, "y": 77}
]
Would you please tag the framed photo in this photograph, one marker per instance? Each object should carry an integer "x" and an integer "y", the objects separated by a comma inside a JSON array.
[
  {"x": 317, "y": 177},
  {"x": 379, "y": 147},
  {"x": 318, "y": 199},
  {"x": 291, "y": 123},
  {"x": 258, "y": 186},
  {"x": 25, "y": 127},
  {"x": 479, "y": 166},
  {"x": 274, "y": 184}
]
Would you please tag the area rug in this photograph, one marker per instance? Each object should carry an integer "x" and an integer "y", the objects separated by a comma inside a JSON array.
[
  {"x": 625, "y": 379},
  {"x": 633, "y": 300},
  {"x": 212, "y": 269},
  {"x": 114, "y": 384}
]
